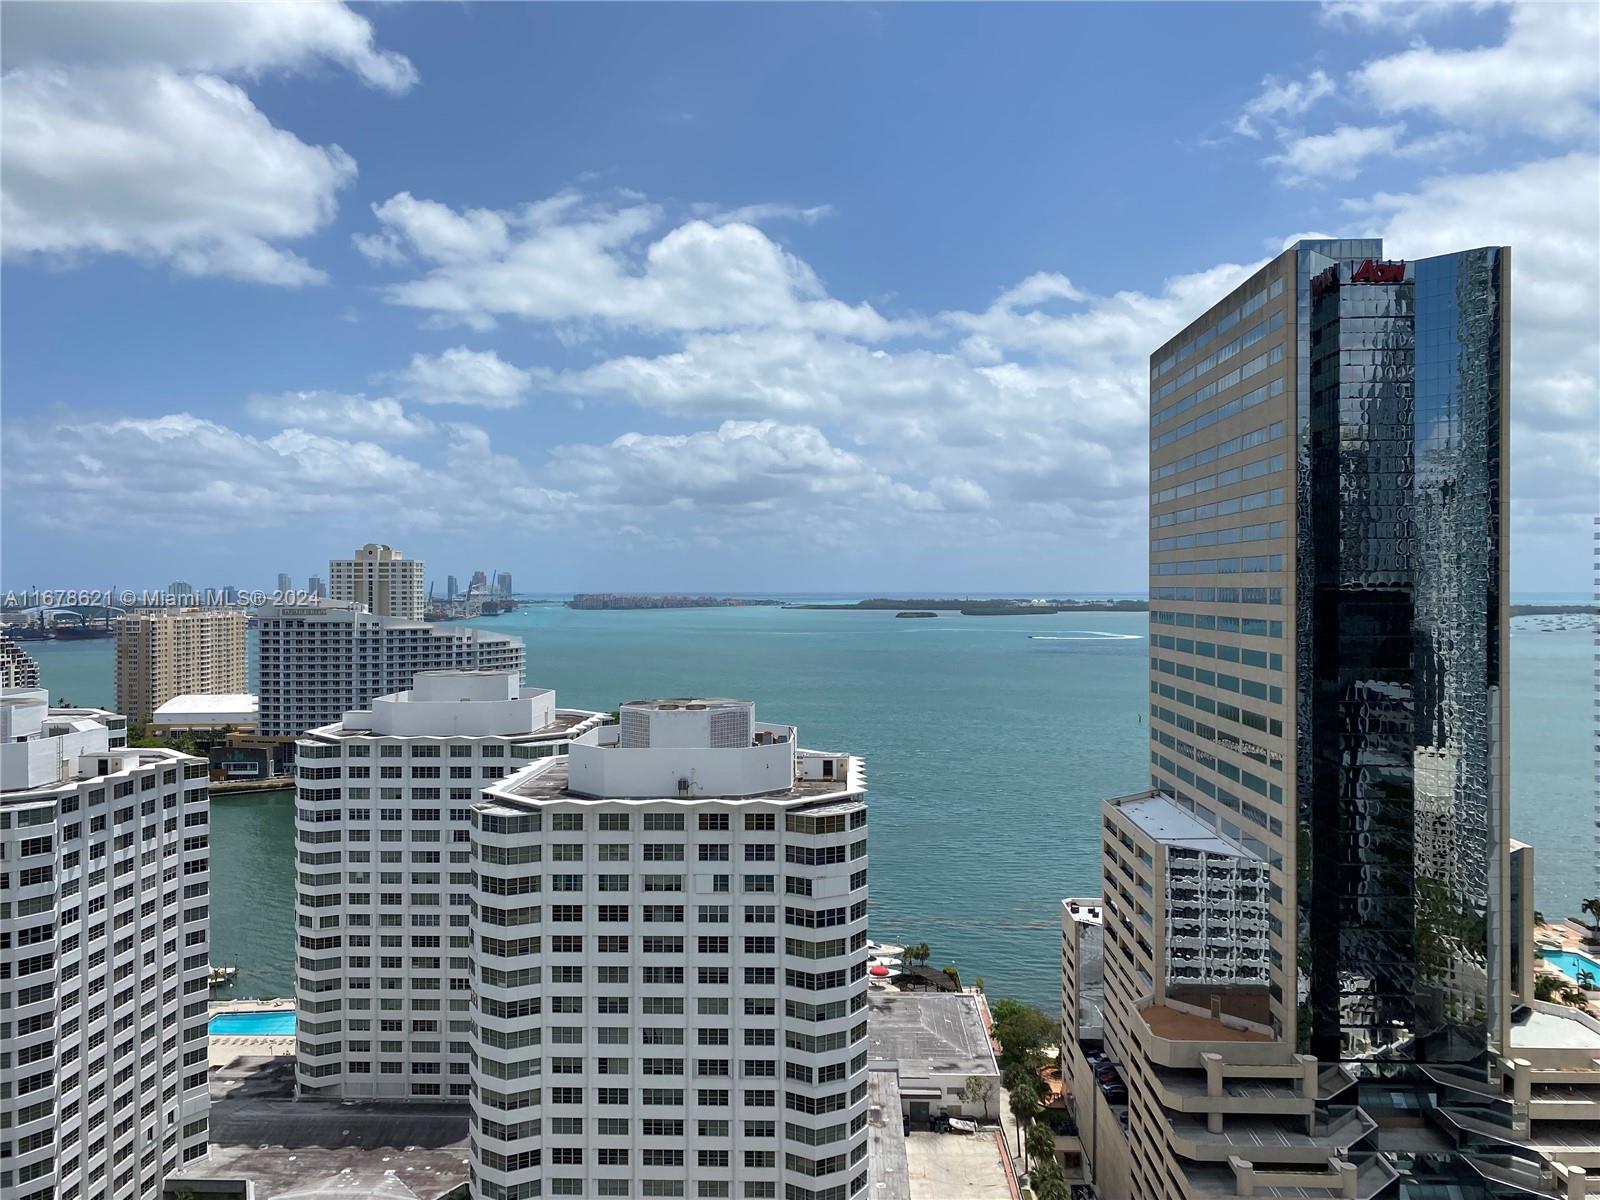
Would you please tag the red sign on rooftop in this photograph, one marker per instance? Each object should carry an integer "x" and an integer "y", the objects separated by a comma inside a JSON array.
[{"x": 1379, "y": 272}]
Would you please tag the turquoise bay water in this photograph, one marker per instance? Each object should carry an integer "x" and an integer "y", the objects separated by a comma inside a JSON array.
[
  {"x": 1570, "y": 963},
  {"x": 989, "y": 741},
  {"x": 279, "y": 1023}
]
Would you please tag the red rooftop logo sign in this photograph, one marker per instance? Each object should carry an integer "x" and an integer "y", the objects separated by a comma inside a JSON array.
[
  {"x": 1379, "y": 272},
  {"x": 1325, "y": 282}
]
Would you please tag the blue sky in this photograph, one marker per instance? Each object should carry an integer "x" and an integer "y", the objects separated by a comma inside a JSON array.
[{"x": 756, "y": 298}]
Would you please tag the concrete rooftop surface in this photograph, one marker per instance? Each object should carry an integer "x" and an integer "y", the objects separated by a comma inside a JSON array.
[
  {"x": 316, "y": 1150},
  {"x": 928, "y": 1033}
]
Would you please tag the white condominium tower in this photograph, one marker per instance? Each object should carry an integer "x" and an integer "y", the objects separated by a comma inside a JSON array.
[
  {"x": 380, "y": 578},
  {"x": 104, "y": 963},
  {"x": 670, "y": 989},
  {"x": 384, "y": 978},
  {"x": 175, "y": 652},
  {"x": 320, "y": 661}
]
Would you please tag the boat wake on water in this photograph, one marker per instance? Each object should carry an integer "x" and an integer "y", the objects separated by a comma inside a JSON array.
[{"x": 1084, "y": 635}]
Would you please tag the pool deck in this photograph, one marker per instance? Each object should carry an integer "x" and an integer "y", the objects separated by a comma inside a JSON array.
[
  {"x": 1569, "y": 935},
  {"x": 225, "y": 1049}
]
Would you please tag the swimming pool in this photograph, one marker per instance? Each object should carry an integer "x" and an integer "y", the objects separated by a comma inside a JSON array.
[
  {"x": 262, "y": 1023},
  {"x": 1570, "y": 963}
]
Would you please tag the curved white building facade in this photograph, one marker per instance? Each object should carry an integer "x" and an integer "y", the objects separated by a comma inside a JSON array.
[
  {"x": 104, "y": 956},
  {"x": 669, "y": 929},
  {"x": 384, "y": 967}
]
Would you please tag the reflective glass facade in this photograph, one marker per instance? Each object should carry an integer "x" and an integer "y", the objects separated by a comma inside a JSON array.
[{"x": 1400, "y": 574}]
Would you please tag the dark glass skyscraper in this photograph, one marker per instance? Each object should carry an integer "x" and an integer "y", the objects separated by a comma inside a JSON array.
[
  {"x": 1400, "y": 559},
  {"x": 1318, "y": 939}
]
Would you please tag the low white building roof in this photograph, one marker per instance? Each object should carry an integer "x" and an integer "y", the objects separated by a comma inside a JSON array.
[{"x": 229, "y": 708}]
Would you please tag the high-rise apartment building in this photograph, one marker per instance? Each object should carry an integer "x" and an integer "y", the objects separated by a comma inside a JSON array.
[
  {"x": 381, "y": 579},
  {"x": 104, "y": 960},
  {"x": 1307, "y": 917},
  {"x": 451, "y": 587},
  {"x": 17, "y": 668},
  {"x": 385, "y": 798},
  {"x": 322, "y": 660},
  {"x": 502, "y": 584},
  {"x": 641, "y": 957},
  {"x": 316, "y": 588},
  {"x": 677, "y": 1004},
  {"x": 285, "y": 585},
  {"x": 162, "y": 653}
]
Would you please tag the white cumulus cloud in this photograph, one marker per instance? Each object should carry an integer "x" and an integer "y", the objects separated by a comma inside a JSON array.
[
  {"x": 569, "y": 259},
  {"x": 1544, "y": 78},
  {"x": 462, "y": 376},
  {"x": 123, "y": 134},
  {"x": 380, "y": 419},
  {"x": 179, "y": 168},
  {"x": 217, "y": 37}
]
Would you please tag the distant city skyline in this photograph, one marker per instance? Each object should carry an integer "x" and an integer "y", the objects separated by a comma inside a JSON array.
[{"x": 801, "y": 296}]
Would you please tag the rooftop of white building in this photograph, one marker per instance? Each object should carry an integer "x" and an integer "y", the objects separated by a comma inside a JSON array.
[
  {"x": 1548, "y": 1027},
  {"x": 224, "y": 708},
  {"x": 462, "y": 703},
  {"x": 1164, "y": 821},
  {"x": 547, "y": 781},
  {"x": 1085, "y": 911},
  {"x": 43, "y": 749},
  {"x": 689, "y": 751},
  {"x": 924, "y": 1034}
]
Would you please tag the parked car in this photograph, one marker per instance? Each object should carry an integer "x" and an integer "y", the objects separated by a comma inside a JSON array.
[{"x": 1115, "y": 1093}]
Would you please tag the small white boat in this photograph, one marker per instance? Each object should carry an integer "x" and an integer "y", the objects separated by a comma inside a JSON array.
[{"x": 878, "y": 949}]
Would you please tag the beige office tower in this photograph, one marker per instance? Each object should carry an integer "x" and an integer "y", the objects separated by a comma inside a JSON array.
[
  {"x": 380, "y": 578},
  {"x": 172, "y": 652},
  {"x": 1318, "y": 961}
]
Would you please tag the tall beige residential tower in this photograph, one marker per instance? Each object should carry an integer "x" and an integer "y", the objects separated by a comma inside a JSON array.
[
  {"x": 382, "y": 579},
  {"x": 164, "y": 653}
]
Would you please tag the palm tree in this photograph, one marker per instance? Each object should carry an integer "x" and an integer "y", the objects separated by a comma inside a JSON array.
[
  {"x": 1591, "y": 907},
  {"x": 1024, "y": 1102},
  {"x": 1040, "y": 1144},
  {"x": 1050, "y": 1182}
]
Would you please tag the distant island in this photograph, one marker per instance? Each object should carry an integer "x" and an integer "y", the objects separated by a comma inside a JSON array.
[
  {"x": 1553, "y": 610},
  {"x": 615, "y": 600},
  {"x": 916, "y": 613},
  {"x": 985, "y": 607}
]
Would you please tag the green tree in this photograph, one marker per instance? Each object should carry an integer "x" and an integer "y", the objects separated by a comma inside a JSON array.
[
  {"x": 1024, "y": 1102},
  {"x": 977, "y": 1090},
  {"x": 1025, "y": 1033},
  {"x": 918, "y": 955},
  {"x": 953, "y": 974},
  {"x": 1591, "y": 908},
  {"x": 1040, "y": 1142},
  {"x": 1015, "y": 1075},
  {"x": 1547, "y": 988},
  {"x": 1050, "y": 1182}
]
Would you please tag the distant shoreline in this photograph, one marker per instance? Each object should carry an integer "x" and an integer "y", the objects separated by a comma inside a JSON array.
[
  {"x": 1554, "y": 610},
  {"x": 982, "y": 607},
  {"x": 620, "y": 602}
]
